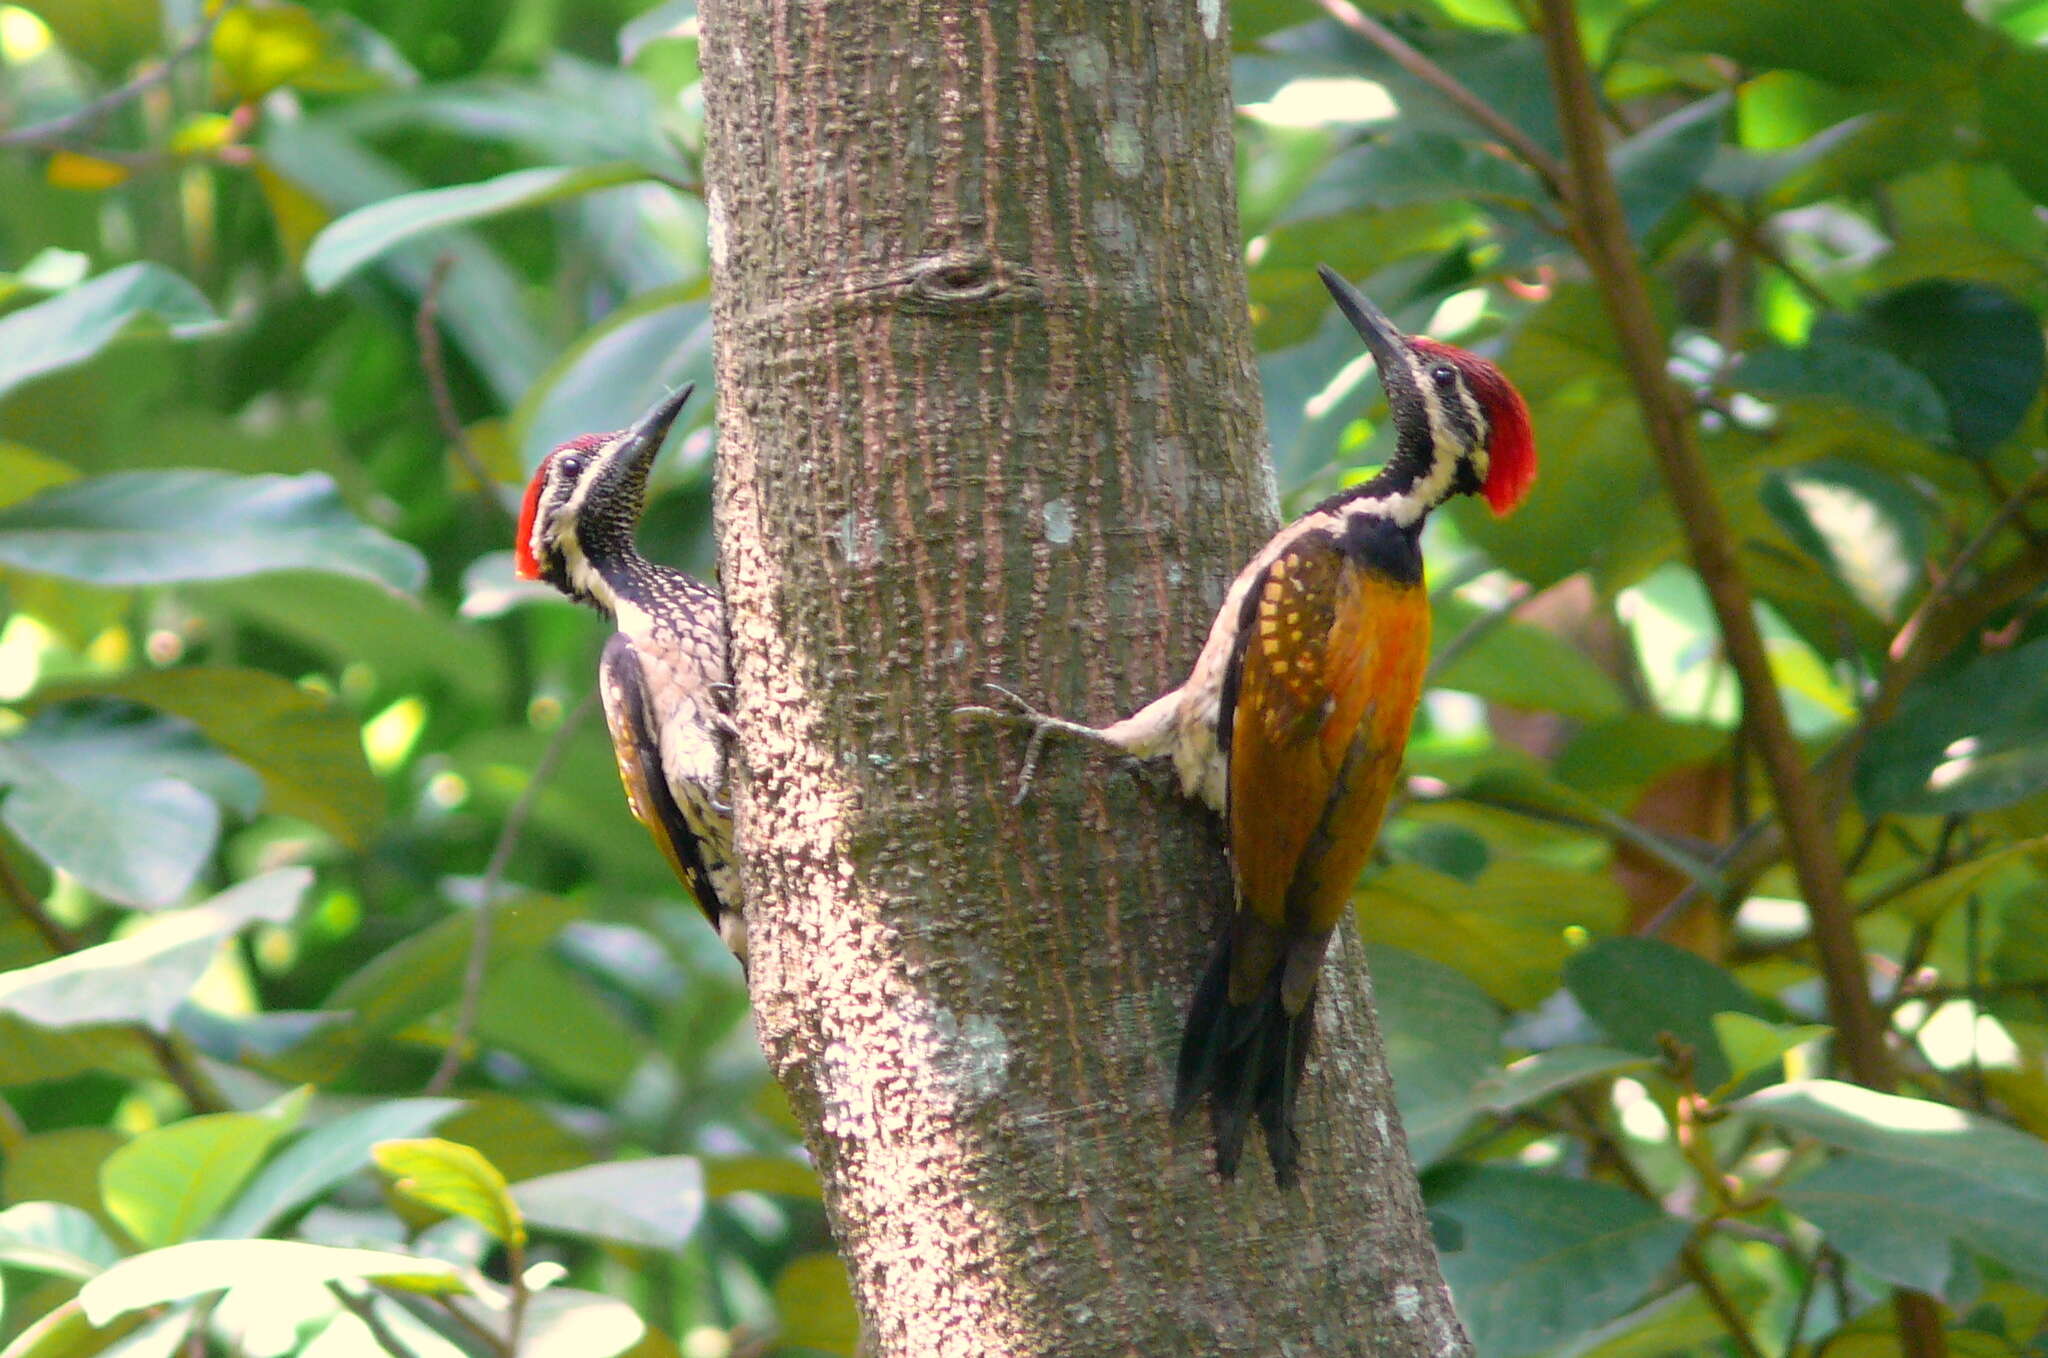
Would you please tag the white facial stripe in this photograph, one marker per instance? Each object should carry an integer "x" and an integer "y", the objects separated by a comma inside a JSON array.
[
  {"x": 1435, "y": 484},
  {"x": 1478, "y": 453},
  {"x": 581, "y": 573}
]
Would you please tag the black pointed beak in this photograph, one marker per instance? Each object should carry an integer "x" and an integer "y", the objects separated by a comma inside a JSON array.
[
  {"x": 650, "y": 431},
  {"x": 1381, "y": 336}
]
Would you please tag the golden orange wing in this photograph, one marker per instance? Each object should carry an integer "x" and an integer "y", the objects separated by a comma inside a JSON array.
[
  {"x": 1330, "y": 671},
  {"x": 623, "y": 690}
]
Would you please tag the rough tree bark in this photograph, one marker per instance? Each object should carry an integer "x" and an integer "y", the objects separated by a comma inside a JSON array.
[{"x": 987, "y": 410}]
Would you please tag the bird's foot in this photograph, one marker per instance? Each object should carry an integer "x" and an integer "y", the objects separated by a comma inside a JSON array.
[{"x": 1018, "y": 711}]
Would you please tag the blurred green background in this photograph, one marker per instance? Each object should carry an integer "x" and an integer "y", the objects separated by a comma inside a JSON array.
[{"x": 274, "y": 703}]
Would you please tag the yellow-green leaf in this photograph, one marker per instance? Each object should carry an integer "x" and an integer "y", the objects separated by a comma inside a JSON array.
[{"x": 453, "y": 1178}]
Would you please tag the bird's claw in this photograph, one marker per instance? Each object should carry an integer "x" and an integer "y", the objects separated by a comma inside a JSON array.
[{"x": 1020, "y": 712}]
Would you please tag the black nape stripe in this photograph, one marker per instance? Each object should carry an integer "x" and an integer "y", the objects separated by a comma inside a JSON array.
[{"x": 1384, "y": 547}]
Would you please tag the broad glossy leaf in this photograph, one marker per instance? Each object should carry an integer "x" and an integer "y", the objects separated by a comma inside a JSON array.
[
  {"x": 1972, "y": 739},
  {"x": 654, "y": 1203},
  {"x": 201, "y": 1266},
  {"x": 368, "y": 232},
  {"x": 1845, "y": 41},
  {"x": 1751, "y": 1044},
  {"x": 126, "y": 829},
  {"x": 1505, "y": 931},
  {"x": 1443, "y": 1038},
  {"x": 143, "y": 978},
  {"x": 452, "y": 1178},
  {"x": 305, "y": 747},
  {"x": 1867, "y": 528},
  {"x": 54, "y": 1237},
  {"x": 77, "y": 323},
  {"x": 1838, "y": 371},
  {"x": 322, "y": 1158},
  {"x": 1657, "y": 168},
  {"x": 420, "y": 974},
  {"x": 1535, "y": 1078},
  {"x": 564, "y": 1322},
  {"x": 1546, "y": 1259},
  {"x": 1919, "y": 1173},
  {"x": 1981, "y": 347},
  {"x": 542, "y": 1011},
  {"x": 1928, "y": 901},
  {"x": 2014, "y": 89},
  {"x": 66, "y": 1333},
  {"x": 153, "y": 528},
  {"x": 167, "y": 1184},
  {"x": 1636, "y": 988}
]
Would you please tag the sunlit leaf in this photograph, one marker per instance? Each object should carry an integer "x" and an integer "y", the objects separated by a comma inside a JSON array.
[
  {"x": 143, "y": 978},
  {"x": 307, "y": 750},
  {"x": 655, "y": 1203},
  {"x": 167, "y": 1184},
  {"x": 201, "y": 1266},
  {"x": 1846, "y": 41},
  {"x": 82, "y": 320},
  {"x": 1535, "y": 1078},
  {"x": 361, "y": 236},
  {"x": 815, "y": 1304},
  {"x": 453, "y": 1178},
  {"x": 53, "y": 1237},
  {"x": 148, "y": 528},
  {"x": 563, "y": 1322},
  {"x": 1751, "y": 1044},
  {"x": 322, "y": 1158},
  {"x": 420, "y": 973}
]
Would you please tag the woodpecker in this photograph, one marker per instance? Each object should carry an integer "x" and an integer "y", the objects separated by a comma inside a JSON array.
[
  {"x": 1292, "y": 723},
  {"x": 663, "y": 677}
]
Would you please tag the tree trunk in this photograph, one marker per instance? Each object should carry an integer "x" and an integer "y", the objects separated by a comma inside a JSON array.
[{"x": 987, "y": 410}]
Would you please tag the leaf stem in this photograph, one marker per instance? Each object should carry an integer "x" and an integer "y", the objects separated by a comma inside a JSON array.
[
  {"x": 64, "y": 132},
  {"x": 365, "y": 1310},
  {"x": 478, "y": 962},
  {"x": 426, "y": 328}
]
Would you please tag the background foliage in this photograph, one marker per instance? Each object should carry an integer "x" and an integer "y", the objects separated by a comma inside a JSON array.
[{"x": 287, "y": 318}]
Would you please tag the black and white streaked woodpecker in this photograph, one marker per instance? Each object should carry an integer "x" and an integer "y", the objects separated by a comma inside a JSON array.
[
  {"x": 1293, "y": 722},
  {"x": 663, "y": 677}
]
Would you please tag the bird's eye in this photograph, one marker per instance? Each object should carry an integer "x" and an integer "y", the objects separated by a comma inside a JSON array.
[
  {"x": 1444, "y": 375},
  {"x": 571, "y": 464}
]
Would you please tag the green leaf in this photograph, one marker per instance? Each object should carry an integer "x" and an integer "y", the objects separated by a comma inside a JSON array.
[
  {"x": 617, "y": 368},
  {"x": 1535, "y": 1078},
  {"x": 361, "y": 236},
  {"x": 542, "y": 1011},
  {"x": 1868, "y": 529},
  {"x": 322, "y": 1158},
  {"x": 654, "y": 1203},
  {"x": 1928, "y": 901},
  {"x": 1636, "y": 988},
  {"x": 1845, "y": 41},
  {"x": 153, "y": 528},
  {"x": 1522, "y": 665},
  {"x": 77, "y": 323},
  {"x": 2014, "y": 89},
  {"x": 1836, "y": 371},
  {"x": 1443, "y": 1038},
  {"x": 106, "y": 810},
  {"x": 1981, "y": 347},
  {"x": 1973, "y": 739},
  {"x": 1751, "y": 1044},
  {"x": 54, "y": 1237},
  {"x": 1506, "y": 931},
  {"x": 166, "y": 1185},
  {"x": 66, "y": 1333},
  {"x": 421, "y": 973},
  {"x": 453, "y": 1178},
  {"x": 1918, "y": 1173},
  {"x": 202, "y": 1266},
  {"x": 308, "y": 751},
  {"x": 815, "y": 1305},
  {"x": 774, "y": 1174},
  {"x": 1657, "y": 168},
  {"x": 564, "y": 1322},
  {"x": 143, "y": 978},
  {"x": 1548, "y": 1259}
]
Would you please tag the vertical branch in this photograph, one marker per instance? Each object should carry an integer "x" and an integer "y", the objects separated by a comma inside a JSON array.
[{"x": 1602, "y": 236}]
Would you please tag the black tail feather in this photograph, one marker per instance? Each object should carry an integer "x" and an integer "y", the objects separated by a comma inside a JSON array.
[{"x": 1248, "y": 1059}]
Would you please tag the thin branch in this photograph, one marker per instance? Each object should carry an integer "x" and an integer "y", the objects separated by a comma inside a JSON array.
[
  {"x": 65, "y": 132},
  {"x": 1944, "y": 585},
  {"x": 365, "y": 1310},
  {"x": 478, "y": 963},
  {"x": 426, "y": 328},
  {"x": 1600, "y": 232},
  {"x": 1547, "y": 167}
]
